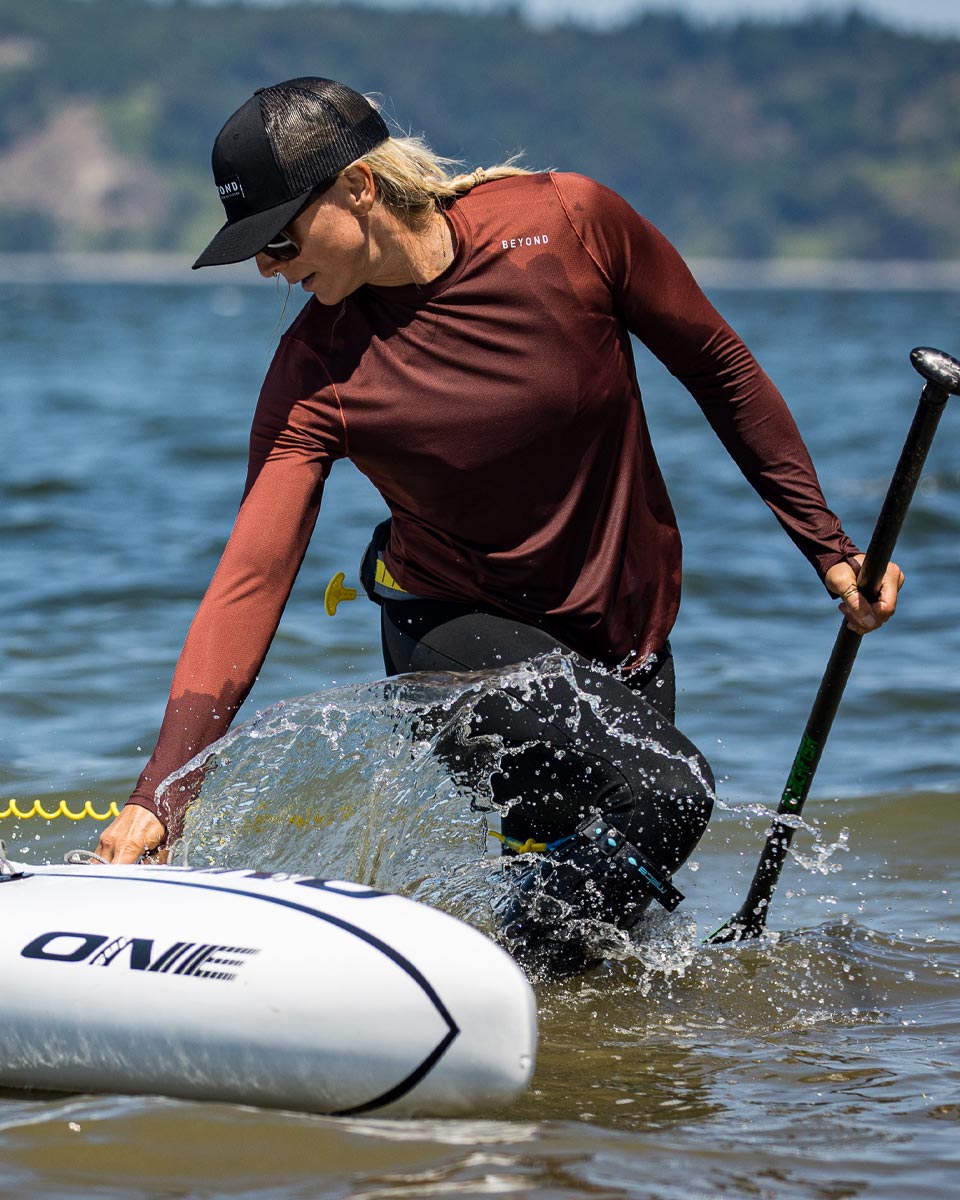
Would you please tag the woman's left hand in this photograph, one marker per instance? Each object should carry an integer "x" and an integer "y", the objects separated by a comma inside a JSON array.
[{"x": 862, "y": 615}]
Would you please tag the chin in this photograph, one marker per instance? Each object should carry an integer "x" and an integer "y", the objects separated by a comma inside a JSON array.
[{"x": 325, "y": 294}]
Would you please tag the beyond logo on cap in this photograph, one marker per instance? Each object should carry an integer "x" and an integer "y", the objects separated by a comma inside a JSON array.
[{"x": 231, "y": 190}]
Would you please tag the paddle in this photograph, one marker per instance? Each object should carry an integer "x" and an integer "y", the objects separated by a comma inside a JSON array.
[{"x": 942, "y": 374}]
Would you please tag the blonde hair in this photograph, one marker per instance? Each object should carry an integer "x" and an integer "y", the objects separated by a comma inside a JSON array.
[{"x": 414, "y": 182}]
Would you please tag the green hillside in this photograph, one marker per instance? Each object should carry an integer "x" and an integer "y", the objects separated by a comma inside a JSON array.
[{"x": 821, "y": 138}]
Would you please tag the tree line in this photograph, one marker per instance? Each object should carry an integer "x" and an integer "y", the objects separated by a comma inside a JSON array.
[{"x": 812, "y": 138}]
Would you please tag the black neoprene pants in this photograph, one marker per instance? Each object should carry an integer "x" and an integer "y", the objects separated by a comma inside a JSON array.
[{"x": 566, "y": 762}]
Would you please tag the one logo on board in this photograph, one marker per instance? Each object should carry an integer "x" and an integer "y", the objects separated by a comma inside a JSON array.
[{"x": 197, "y": 960}]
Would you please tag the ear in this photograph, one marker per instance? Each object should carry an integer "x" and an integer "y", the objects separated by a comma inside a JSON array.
[{"x": 360, "y": 188}]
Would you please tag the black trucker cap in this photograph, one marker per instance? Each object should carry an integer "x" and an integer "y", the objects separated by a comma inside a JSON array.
[{"x": 276, "y": 149}]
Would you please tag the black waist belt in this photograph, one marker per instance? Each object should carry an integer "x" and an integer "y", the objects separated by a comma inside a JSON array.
[
  {"x": 375, "y": 579},
  {"x": 385, "y": 586}
]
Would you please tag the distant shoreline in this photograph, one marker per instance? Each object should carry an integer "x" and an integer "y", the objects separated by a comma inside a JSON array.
[{"x": 840, "y": 274}]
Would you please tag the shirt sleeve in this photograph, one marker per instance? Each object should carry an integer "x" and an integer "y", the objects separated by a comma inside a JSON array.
[
  {"x": 661, "y": 303},
  {"x": 293, "y": 443}
]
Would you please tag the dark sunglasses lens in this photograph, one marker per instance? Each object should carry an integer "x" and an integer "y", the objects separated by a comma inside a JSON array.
[{"x": 282, "y": 248}]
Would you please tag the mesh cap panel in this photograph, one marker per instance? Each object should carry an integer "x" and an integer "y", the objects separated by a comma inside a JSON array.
[{"x": 317, "y": 127}]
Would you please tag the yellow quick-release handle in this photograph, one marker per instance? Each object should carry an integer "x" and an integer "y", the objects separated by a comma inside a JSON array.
[
  {"x": 335, "y": 593},
  {"x": 37, "y": 810}
]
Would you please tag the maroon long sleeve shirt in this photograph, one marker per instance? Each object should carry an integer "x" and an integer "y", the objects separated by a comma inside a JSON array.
[{"x": 498, "y": 413}]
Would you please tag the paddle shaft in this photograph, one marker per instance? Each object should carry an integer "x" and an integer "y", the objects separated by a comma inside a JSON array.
[{"x": 943, "y": 379}]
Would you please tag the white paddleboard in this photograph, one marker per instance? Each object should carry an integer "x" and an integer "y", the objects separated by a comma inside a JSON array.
[{"x": 239, "y": 986}]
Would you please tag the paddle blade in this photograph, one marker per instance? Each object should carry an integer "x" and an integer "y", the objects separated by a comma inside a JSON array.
[{"x": 740, "y": 928}]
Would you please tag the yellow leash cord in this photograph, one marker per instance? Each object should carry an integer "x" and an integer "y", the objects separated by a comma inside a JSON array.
[
  {"x": 37, "y": 810},
  {"x": 518, "y": 847}
]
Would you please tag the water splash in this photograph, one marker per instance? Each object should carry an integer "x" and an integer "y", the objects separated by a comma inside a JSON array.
[
  {"x": 352, "y": 783},
  {"x": 817, "y": 859},
  {"x": 349, "y": 783}
]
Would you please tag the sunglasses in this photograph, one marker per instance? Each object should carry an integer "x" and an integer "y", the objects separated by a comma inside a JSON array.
[{"x": 282, "y": 247}]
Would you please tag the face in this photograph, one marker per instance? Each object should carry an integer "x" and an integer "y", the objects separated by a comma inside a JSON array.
[{"x": 333, "y": 236}]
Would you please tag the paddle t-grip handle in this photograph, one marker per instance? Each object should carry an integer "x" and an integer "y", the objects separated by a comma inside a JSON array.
[{"x": 942, "y": 370}]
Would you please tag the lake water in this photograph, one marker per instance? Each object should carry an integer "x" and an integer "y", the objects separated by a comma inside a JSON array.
[{"x": 824, "y": 1062}]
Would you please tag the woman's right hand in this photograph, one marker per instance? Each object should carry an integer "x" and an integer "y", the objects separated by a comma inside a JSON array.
[{"x": 135, "y": 832}]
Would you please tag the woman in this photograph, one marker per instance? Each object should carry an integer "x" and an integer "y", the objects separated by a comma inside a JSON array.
[{"x": 467, "y": 346}]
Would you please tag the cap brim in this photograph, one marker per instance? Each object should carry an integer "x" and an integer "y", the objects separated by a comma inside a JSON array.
[{"x": 239, "y": 240}]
